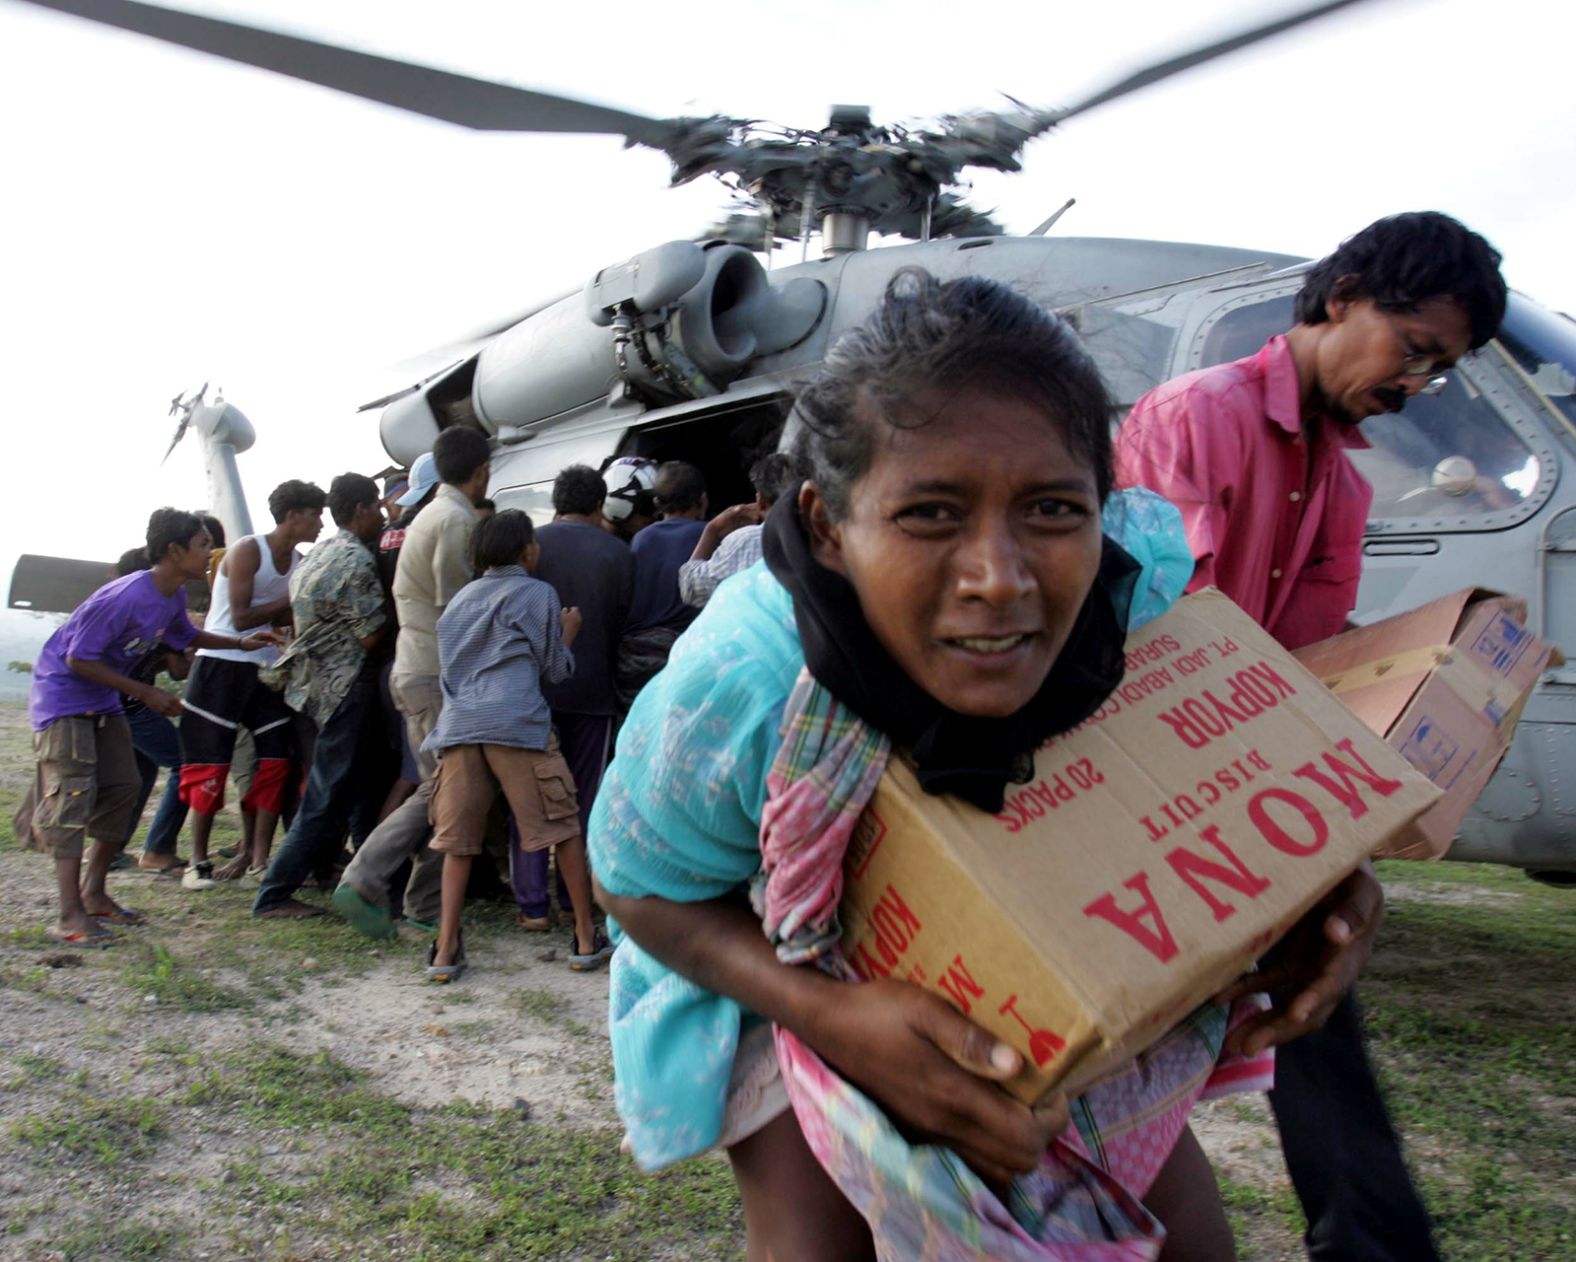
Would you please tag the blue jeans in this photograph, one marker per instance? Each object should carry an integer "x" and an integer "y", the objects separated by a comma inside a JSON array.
[
  {"x": 157, "y": 743},
  {"x": 331, "y": 791}
]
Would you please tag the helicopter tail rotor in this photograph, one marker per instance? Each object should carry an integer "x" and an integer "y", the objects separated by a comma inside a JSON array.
[{"x": 185, "y": 407}]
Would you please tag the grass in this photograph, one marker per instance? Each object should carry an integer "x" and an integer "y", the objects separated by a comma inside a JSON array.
[
  {"x": 108, "y": 1131},
  {"x": 115, "y": 1242},
  {"x": 452, "y": 1183},
  {"x": 1247, "y": 1202},
  {"x": 1468, "y": 1002},
  {"x": 1469, "y": 1008},
  {"x": 155, "y": 972},
  {"x": 547, "y": 1006}
]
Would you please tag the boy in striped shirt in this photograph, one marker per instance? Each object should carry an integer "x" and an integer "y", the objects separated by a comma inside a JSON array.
[{"x": 500, "y": 637}]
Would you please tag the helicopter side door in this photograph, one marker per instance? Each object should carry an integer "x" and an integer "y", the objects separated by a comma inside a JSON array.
[{"x": 1467, "y": 486}]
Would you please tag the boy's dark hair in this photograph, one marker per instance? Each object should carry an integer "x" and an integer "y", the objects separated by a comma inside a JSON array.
[
  {"x": 458, "y": 452},
  {"x": 680, "y": 487},
  {"x": 774, "y": 475},
  {"x": 132, "y": 561},
  {"x": 348, "y": 492},
  {"x": 294, "y": 494},
  {"x": 925, "y": 335},
  {"x": 501, "y": 538},
  {"x": 485, "y": 505},
  {"x": 579, "y": 489},
  {"x": 1404, "y": 260},
  {"x": 169, "y": 526},
  {"x": 214, "y": 527}
]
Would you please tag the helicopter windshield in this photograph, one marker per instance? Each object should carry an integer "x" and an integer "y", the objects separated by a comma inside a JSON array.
[
  {"x": 1544, "y": 345},
  {"x": 1450, "y": 458}
]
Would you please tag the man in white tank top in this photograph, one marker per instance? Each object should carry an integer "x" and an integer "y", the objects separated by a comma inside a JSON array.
[{"x": 224, "y": 694}]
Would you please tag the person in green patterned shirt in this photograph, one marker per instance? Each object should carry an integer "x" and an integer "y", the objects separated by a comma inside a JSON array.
[{"x": 327, "y": 674}]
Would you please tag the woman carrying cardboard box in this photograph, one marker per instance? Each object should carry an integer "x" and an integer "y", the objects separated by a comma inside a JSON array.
[{"x": 942, "y": 584}]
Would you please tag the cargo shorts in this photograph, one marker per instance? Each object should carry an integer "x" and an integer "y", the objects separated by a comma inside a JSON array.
[
  {"x": 86, "y": 785},
  {"x": 536, "y": 783}
]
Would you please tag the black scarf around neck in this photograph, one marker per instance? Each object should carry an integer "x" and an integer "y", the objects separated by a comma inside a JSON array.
[{"x": 974, "y": 758}]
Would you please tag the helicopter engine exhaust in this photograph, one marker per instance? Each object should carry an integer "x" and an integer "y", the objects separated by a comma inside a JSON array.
[{"x": 676, "y": 322}]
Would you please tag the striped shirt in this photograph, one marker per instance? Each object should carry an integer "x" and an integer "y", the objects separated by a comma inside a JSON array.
[
  {"x": 736, "y": 553},
  {"x": 498, "y": 639}
]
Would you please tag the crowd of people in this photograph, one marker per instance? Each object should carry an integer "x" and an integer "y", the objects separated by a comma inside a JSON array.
[
  {"x": 383, "y": 694},
  {"x": 928, "y": 566}
]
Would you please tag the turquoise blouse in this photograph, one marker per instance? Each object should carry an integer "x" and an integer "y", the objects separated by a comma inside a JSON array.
[{"x": 678, "y": 816}]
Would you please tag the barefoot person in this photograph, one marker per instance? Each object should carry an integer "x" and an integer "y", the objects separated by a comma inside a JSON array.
[
  {"x": 224, "y": 694},
  {"x": 942, "y": 582},
  {"x": 87, "y": 781},
  {"x": 499, "y": 640}
]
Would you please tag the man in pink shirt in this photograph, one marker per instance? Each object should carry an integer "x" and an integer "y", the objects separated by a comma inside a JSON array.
[{"x": 1253, "y": 453}]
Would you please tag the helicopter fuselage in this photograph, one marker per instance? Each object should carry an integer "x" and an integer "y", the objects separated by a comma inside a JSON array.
[{"x": 1471, "y": 487}]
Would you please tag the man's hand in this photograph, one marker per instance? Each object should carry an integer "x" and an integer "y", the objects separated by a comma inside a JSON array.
[
  {"x": 261, "y": 639},
  {"x": 723, "y": 525},
  {"x": 936, "y": 1073},
  {"x": 569, "y": 622},
  {"x": 1314, "y": 965},
  {"x": 730, "y": 519},
  {"x": 159, "y": 701}
]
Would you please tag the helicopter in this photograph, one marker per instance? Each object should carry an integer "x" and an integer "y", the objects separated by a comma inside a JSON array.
[{"x": 690, "y": 350}]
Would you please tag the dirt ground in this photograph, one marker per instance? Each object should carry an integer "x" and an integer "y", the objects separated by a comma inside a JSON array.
[{"x": 216, "y": 1087}]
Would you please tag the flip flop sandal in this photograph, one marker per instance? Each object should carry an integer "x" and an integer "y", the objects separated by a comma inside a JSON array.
[
  {"x": 365, "y": 916},
  {"x": 122, "y": 916},
  {"x": 83, "y": 941},
  {"x": 445, "y": 973},
  {"x": 589, "y": 961}
]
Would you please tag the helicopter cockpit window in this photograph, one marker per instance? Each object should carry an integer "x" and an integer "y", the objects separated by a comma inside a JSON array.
[{"x": 1449, "y": 457}]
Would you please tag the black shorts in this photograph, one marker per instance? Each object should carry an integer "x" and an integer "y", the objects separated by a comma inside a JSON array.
[{"x": 221, "y": 698}]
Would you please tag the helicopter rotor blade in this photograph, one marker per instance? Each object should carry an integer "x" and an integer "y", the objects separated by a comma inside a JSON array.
[
  {"x": 180, "y": 433},
  {"x": 1162, "y": 70},
  {"x": 440, "y": 94}
]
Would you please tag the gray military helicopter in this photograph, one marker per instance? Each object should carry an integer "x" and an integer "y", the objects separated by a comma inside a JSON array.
[{"x": 691, "y": 349}]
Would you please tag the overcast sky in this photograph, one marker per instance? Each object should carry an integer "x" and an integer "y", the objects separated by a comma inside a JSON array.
[{"x": 170, "y": 218}]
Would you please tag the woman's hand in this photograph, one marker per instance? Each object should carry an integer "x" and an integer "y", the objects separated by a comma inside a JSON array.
[
  {"x": 930, "y": 1068},
  {"x": 935, "y": 1071},
  {"x": 1314, "y": 965}
]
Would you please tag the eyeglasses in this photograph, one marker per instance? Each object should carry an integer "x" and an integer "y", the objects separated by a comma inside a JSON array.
[{"x": 1418, "y": 364}]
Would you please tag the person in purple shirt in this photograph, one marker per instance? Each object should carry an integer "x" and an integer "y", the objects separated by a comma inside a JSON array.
[{"x": 87, "y": 781}]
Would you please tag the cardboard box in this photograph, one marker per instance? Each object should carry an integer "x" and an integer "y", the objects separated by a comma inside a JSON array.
[
  {"x": 1445, "y": 684},
  {"x": 1158, "y": 850}
]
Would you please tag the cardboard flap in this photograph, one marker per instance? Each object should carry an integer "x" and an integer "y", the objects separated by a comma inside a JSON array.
[{"x": 1376, "y": 670}]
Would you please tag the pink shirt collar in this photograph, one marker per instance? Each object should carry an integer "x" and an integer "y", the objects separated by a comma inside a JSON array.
[{"x": 1283, "y": 395}]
